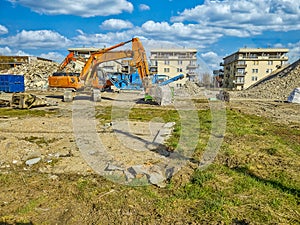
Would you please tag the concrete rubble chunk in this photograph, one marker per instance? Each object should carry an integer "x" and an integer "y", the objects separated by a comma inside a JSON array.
[
  {"x": 33, "y": 161},
  {"x": 161, "y": 94},
  {"x": 35, "y": 73},
  {"x": 111, "y": 167},
  {"x": 295, "y": 96},
  {"x": 154, "y": 174}
]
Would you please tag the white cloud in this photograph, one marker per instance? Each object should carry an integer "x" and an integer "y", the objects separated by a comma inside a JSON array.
[
  {"x": 294, "y": 53},
  {"x": 116, "y": 24},
  {"x": 3, "y": 29},
  {"x": 212, "y": 59},
  {"x": 244, "y": 17},
  {"x": 185, "y": 35},
  {"x": 7, "y": 51},
  {"x": 46, "y": 39},
  {"x": 77, "y": 7},
  {"x": 143, "y": 7},
  {"x": 55, "y": 56},
  {"x": 80, "y": 31}
]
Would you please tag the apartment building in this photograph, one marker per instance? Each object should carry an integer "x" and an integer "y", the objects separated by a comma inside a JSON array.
[
  {"x": 248, "y": 65},
  {"x": 172, "y": 62}
]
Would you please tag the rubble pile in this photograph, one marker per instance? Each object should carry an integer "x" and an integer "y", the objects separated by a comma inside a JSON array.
[
  {"x": 277, "y": 88},
  {"x": 190, "y": 89},
  {"x": 35, "y": 73}
]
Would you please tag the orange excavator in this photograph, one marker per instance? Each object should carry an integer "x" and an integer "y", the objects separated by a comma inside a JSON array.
[
  {"x": 70, "y": 57},
  {"x": 88, "y": 80}
]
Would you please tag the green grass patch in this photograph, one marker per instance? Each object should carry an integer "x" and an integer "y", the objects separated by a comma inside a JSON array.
[
  {"x": 40, "y": 141},
  {"x": 24, "y": 112}
]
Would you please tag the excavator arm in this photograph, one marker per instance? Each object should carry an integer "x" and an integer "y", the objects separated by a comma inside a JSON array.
[
  {"x": 67, "y": 60},
  {"x": 95, "y": 56},
  {"x": 89, "y": 79},
  {"x": 138, "y": 60}
]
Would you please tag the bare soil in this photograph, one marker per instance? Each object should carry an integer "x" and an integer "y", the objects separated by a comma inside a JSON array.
[{"x": 56, "y": 189}]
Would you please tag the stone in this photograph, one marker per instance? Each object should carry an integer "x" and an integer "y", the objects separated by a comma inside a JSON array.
[
  {"x": 111, "y": 167},
  {"x": 33, "y": 161}
]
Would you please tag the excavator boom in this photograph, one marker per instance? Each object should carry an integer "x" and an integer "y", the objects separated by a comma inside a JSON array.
[{"x": 89, "y": 79}]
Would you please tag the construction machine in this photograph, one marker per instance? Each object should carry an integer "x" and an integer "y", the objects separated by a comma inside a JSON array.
[
  {"x": 89, "y": 79},
  {"x": 70, "y": 57}
]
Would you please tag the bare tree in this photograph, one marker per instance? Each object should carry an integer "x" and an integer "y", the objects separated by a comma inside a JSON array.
[{"x": 206, "y": 79}]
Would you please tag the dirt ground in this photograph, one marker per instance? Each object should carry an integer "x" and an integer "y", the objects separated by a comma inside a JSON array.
[
  {"x": 278, "y": 111},
  {"x": 50, "y": 139}
]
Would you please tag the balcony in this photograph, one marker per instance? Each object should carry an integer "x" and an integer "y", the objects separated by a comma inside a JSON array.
[
  {"x": 241, "y": 65},
  {"x": 191, "y": 66},
  {"x": 239, "y": 81},
  {"x": 237, "y": 74}
]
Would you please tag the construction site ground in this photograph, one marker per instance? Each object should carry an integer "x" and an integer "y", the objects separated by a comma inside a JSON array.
[{"x": 253, "y": 180}]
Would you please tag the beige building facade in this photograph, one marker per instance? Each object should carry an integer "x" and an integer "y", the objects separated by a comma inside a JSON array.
[
  {"x": 248, "y": 65},
  {"x": 172, "y": 62}
]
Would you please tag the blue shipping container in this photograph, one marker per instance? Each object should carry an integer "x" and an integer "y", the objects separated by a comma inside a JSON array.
[{"x": 12, "y": 83}]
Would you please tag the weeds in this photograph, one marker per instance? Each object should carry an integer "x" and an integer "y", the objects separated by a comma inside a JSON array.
[{"x": 24, "y": 112}]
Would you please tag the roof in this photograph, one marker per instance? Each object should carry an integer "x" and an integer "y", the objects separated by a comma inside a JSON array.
[
  {"x": 257, "y": 50},
  {"x": 90, "y": 49},
  {"x": 174, "y": 50},
  {"x": 284, "y": 50}
]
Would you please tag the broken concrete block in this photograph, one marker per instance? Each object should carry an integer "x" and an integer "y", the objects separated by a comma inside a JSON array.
[{"x": 33, "y": 161}]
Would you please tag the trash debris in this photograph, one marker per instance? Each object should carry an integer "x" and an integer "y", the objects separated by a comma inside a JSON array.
[
  {"x": 153, "y": 173},
  {"x": 35, "y": 73},
  {"x": 223, "y": 96},
  {"x": 294, "y": 96},
  {"x": 33, "y": 161}
]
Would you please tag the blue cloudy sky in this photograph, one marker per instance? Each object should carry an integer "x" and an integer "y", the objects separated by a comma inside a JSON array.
[{"x": 47, "y": 28}]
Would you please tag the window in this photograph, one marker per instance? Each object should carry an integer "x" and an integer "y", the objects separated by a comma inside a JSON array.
[
  {"x": 192, "y": 63},
  {"x": 167, "y": 62},
  {"x": 270, "y": 62},
  {"x": 241, "y": 70},
  {"x": 255, "y": 62},
  {"x": 254, "y": 70},
  {"x": 240, "y": 80},
  {"x": 179, "y": 62},
  {"x": 179, "y": 70},
  {"x": 269, "y": 71},
  {"x": 166, "y": 70},
  {"x": 254, "y": 78}
]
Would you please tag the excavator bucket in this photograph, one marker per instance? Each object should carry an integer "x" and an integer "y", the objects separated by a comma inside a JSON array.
[
  {"x": 162, "y": 95},
  {"x": 27, "y": 101}
]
